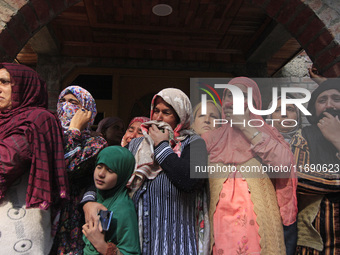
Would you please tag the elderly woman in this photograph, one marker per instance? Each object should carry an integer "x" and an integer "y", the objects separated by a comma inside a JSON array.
[
  {"x": 76, "y": 110},
  {"x": 247, "y": 208},
  {"x": 32, "y": 167},
  {"x": 205, "y": 122},
  {"x": 163, "y": 192},
  {"x": 134, "y": 130}
]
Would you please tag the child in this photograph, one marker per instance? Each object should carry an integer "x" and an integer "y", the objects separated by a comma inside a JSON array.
[{"x": 114, "y": 167}]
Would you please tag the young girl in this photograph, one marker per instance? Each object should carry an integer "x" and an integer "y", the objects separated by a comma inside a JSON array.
[{"x": 114, "y": 167}]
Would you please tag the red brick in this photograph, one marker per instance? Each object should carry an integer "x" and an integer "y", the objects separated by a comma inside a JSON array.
[
  {"x": 300, "y": 20},
  {"x": 18, "y": 29},
  {"x": 310, "y": 31},
  {"x": 31, "y": 19},
  {"x": 327, "y": 57},
  {"x": 9, "y": 44},
  {"x": 288, "y": 11},
  {"x": 333, "y": 71},
  {"x": 274, "y": 7},
  {"x": 42, "y": 10}
]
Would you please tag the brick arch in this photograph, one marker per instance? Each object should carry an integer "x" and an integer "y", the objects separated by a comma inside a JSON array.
[
  {"x": 314, "y": 25},
  {"x": 20, "y": 20},
  {"x": 306, "y": 20}
]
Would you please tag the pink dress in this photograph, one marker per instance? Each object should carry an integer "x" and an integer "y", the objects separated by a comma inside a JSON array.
[{"x": 235, "y": 209}]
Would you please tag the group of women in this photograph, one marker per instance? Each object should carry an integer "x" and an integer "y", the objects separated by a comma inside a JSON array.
[{"x": 233, "y": 212}]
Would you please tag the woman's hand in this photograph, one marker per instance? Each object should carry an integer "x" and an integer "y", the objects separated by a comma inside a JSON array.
[
  {"x": 80, "y": 119},
  {"x": 157, "y": 135},
  {"x": 97, "y": 238},
  {"x": 91, "y": 210},
  {"x": 330, "y": 129}
]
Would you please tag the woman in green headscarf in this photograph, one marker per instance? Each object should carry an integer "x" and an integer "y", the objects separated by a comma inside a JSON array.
[{"x": 114, "y": 167}]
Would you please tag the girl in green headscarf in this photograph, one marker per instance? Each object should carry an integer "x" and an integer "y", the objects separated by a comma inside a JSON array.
[{"x": 114, "y": 167}]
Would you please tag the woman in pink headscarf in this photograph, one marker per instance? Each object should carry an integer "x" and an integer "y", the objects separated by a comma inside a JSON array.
[
  {"x": 247, "y": 207},
  {"x": 134, "y": 130}
]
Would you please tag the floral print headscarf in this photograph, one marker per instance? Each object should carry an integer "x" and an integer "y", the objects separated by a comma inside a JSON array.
[{"x": 67, "y": 110}]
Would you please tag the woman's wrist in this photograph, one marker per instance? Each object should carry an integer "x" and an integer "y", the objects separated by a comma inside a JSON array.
[{"x": 111, "y": 249}]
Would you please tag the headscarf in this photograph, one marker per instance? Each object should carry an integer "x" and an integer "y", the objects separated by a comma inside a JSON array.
[
  {"x": 199, "y": 105},
  {"x": 29, "y": 117},
  {"x": 108, "y": 122},
  {"x": 326, "y": 85},
  {"x": 140, "y": 119},
  {"x": 321, "y": 150},
  {"x": 235, "y": 148},
  {"x": 67, "y": 110},
  {"x": 228, "y": 145},
  {"x": 123, "y": 233},
  {"x": 90, "y": 145},
  {"x": 146, "y": 166},
  {"x": 182, "y": 106},
  {"x": 289, "y": 135}
]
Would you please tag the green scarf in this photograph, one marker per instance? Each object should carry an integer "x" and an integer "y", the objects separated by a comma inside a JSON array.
[{"x": 123, "y": 231}]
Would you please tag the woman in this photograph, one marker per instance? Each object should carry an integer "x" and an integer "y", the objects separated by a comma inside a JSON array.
[
  {"x": 316, "y": 149},
  {"x": 112, "y": 129},
  {"x": 133, "y": 130},
  {"x": 31, "y": 157},
  {"x": 165, "y": 197},
  {"x": 246, "y": 209},
  {"x": 163, "y": 192},
  {"x": 202, "y": 124},
  {"x": 205, "y": 122},
  {"x": 76, "y": 110},
  {"x": 287, "y": 124}
]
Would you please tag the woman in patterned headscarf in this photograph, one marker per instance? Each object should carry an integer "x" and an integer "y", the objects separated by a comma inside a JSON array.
[
  {"x": 76, "y": 110},
  {"x": 32, "y": 170}
]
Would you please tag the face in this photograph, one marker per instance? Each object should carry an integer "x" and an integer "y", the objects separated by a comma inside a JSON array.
[
  {"x": 114, "y": 134},
  {"x": 164, "y": 112},
  {"x": 6, "y": 85},
  {"x": 104, "y": 178},
  {"x": 291, "y": 113},
  {"x": 134, "y": 131},
  {"x": 204, "y": 123},
  {"x": 70, "y": 98},
  {"x": 227, "y": 106},
  {"x": 327, "y": 99}
]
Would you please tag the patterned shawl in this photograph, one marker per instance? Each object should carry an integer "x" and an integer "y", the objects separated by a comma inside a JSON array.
[
  {"x": 30, "y": 118},
  {"x": 90, "y": 145}
]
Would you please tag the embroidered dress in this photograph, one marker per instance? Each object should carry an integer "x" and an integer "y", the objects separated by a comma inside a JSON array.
[{"x": 272, "y": 205}]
